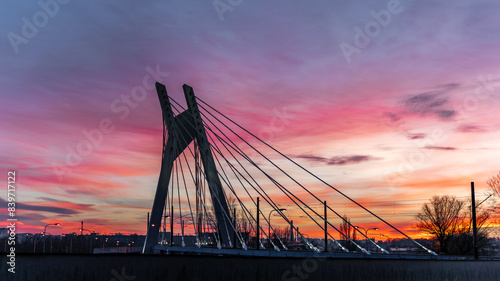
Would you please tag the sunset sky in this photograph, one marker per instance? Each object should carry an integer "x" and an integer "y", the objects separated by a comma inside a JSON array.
[{"x": 392, "y": 102}]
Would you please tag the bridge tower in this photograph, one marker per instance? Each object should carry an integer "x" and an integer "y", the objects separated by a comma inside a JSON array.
[{"x": 182, "y": 130}]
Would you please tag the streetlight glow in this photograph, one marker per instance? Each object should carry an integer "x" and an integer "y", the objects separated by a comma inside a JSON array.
[
  {"x": 366, "y": 233},
  {"x": 269, "y": 221},
  {"x": 45, "y": 231}
]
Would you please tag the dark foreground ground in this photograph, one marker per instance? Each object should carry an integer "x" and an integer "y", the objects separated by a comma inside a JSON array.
[{"x": 123, "y": 267}]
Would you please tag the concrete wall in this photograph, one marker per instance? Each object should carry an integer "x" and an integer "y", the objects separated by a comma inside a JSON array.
[{"x": 197, "y": 267}]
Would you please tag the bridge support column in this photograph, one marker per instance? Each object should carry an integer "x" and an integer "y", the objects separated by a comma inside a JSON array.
[{"x": 182, "y": 130}]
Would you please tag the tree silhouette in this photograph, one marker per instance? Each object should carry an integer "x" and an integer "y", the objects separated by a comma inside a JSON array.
[
  {"x": 448, "y": 219},
  {"x": 349, "y": 231},
  {"x": 494, "y": 184}
]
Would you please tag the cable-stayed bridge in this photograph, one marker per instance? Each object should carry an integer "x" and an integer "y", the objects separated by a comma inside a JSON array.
[{"x": 221, "y": 182}]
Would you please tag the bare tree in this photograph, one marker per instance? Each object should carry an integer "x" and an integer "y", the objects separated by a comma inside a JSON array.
[
  {"x": 448, "y": 219},
  {"x": 462, "y": 242},
  {"x": 243, "y": 224},
  {"x": 347, "y": 231},
  {"x": 282, "y": 232},
  {"x": 243, "y": 221},
  {"x": 494, "y": 184},
  {"x": 232, "y": 204}
]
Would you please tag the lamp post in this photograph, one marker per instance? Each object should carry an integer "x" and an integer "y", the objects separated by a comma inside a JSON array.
[
  {"x": 269, "y": 230},
  {"x": 44, "y": 231},
  {"x": 383, "y": 235},
  {"x": 366, "y": 234},
  {"x": 45, "y": 228},
  {"x": 164, "y": 240},
  {"x": 388, "y": 239}
]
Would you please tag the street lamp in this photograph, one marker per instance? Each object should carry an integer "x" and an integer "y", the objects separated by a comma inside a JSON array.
[
  {"x": 82, "y": 229},
  {"x": 383, "y": 235},
  {"x": 45, "y": 228},
  {"x": 44, "y": 231},
  {"x": 366, "y": 233},
  {"x": 388, "y": 239},
  {"x": 269, "y": 229}
]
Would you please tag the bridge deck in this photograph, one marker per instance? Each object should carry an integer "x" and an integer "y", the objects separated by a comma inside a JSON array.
[{"x": 296, "y": 254}]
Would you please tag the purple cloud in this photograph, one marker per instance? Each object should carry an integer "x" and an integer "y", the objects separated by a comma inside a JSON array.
[
  {"x": 338, "y": 160},
  {"x": 440, "y": 147},
  {"x": 470, "y": 129},
  {"x": 416, "y": 136}
]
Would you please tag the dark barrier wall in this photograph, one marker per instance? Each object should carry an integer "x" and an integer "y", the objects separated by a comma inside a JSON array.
[{"x": 195, "y": 267}]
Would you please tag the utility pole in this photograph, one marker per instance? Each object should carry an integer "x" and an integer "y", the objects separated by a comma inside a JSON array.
[
  {"x": 182, "y": 229},
  {"x": 172, "y": 226},
  {"x": 164, "y": 240},
  {"x": 326, "y": 231},
  {"x": 257, "y": 232},
  {"x": 474, "y": 224},
  {"x": 234, "y": 225}
]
